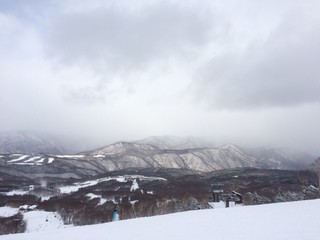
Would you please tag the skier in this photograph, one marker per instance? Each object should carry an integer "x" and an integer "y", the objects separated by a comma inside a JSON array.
[{"x": 115, "y": 215}]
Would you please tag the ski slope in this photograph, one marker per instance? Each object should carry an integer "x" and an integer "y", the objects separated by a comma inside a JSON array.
[{"x": 294, "y": 220}]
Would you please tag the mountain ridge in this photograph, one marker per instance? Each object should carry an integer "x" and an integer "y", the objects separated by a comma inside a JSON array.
[{"x": 140, "y": 155}]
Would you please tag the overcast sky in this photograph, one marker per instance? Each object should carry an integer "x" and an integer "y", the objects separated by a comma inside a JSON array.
[{"x": 239, "y": 71}]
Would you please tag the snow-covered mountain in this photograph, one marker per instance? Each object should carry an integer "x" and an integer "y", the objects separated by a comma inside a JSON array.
[
  {"x": 132, "y": 154},
  {"x": 27, "y": 142},
  {"x": 125, "y": 155},
  {"x": 174, "y": 142},
  {"x": 129, "y": 155},
  {"x": 151, "y": 153},
  {"x": 294, "y": 220},
  {"x": 157, "y": 152}
]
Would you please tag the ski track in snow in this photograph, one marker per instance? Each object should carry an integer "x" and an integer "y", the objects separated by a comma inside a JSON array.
[
  {"x": 18, "y": 159},
  {"x": 70, "y": 156},
  {"x": 281, "y": 221},
  {"x": 32, "y": 159},
  {"x": 41, "y": 160}
]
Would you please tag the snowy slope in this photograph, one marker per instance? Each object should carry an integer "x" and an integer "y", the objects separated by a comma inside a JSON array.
[
  {"x": 42, "y": 221},
  {"x": 295, "y": 220},
  {"x": 8, "y": 211}
]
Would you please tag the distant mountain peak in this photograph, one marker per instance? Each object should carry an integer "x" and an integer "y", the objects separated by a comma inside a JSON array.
[
  {"x": 230, "y": 146},
  {"x": 122, "y": 148},
  {"x": 175, "y": 142}
]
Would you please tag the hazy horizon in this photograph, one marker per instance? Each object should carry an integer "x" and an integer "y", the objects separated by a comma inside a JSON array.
[
  {"x": 101, "y": 71},
  {"x": 70, "y": 145}
]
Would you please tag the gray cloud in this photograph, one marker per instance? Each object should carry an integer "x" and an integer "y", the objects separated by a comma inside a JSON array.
[
  {"x": 283, "y": 70},
  {"x": 118, "y": 37},
  {"x": 127, "y": 42},
  {"x": 97, "y": 70}
]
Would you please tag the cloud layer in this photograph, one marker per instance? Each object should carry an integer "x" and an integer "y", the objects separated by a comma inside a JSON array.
[
  {"x": 103, "y": 71},
  {"x": 282, "y": 70}
]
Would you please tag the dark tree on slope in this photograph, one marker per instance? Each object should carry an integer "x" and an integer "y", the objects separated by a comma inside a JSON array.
[
  {"x": 13, "y": 224},
  {"x": 316, "y": 166}
]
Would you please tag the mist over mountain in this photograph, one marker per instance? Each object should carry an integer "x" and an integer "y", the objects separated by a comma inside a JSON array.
[
  {"x": 282, "y": 156},
  {"x": 29, "y": 142},
  {"x": 174, "y": 142},
  {"x": 151, "y": 153},
  {"x": 161, "y": 151}
]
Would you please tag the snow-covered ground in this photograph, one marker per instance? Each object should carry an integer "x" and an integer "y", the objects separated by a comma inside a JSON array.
[
  {"x": 76, "y": 186},
  {"x": 20, "y": 159},
  {"x": 8, "y": 211},
  {"x": 102, "y": 200},
  {"x": 38, "y": 221},
  {"x": 294, "y": 221},
  {"x": 70, "y": 156},
  {"x": 15, "y": 192}
]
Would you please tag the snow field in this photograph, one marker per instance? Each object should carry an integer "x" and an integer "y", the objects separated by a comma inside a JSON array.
[
  {"x": 8, "y": 211},
  {"x": 102, "y": 200},
  {"x": 70, "y": 156},
  {"x": 76, "y": 186},
  {"x": 18, "y": 159},
  {"x": 36, "y": 220},
  {"x": 42, "y": 221},
  {"x": 29, "y": 160},
  {"x": 294, "y": 221}
]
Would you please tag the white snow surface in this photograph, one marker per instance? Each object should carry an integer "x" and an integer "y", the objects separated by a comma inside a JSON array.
[
  {"x": 16, "y": 192},
  {"x": 70, "y": 156},
  {"x": 42, "y": 221},
  {"x": 32, "y": 159},
  {"x": 41, "y": 160},
  {"x": 294, "y": 221},
  {"x": 102, "y": 200},
  {"x": 28, "y": 163},
  {"x": 8, "y": 211},
  {"x": 134, "y": 186},
  {"x": 76, "y": 186},
  {"x": 216, "y": 205},
  {"x": 18, "y": 159}
]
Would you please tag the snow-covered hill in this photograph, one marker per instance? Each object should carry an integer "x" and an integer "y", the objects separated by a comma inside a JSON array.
[
  {"x": 129, "y": 155},
  {"x": 294, "y": 221},
  {"x": 132, "y": 154},
  {"x": 22, "y": 150}
]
